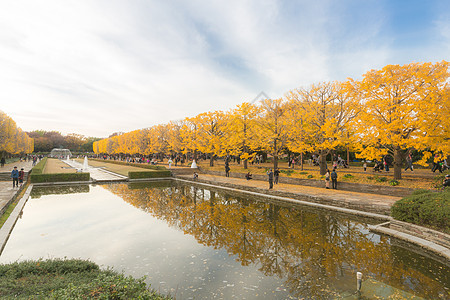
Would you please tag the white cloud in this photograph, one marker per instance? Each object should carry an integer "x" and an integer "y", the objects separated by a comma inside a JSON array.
[{"x": 96, "y": 67}]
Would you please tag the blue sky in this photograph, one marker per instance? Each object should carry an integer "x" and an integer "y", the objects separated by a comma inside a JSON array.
[{"x": 95, "y": 67}]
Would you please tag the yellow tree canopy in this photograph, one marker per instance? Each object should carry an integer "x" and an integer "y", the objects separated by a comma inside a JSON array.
[
  {"x": 273, "y": 127},
  {"x": 242, "y": 130},
  {"x": 12, "y": 139},
  {"x": 210, "y": 132},
  {"x": 321, "y": 118},
  {"x": 402, "y": 108}
]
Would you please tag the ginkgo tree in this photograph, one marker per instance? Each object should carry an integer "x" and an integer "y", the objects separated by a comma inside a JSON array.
[
  {"x": 325, "y": 112},
  {"x": 12, "y": 139},
  {"x": 242, "y": 130},
  {"x": 210, "y": 133},
  {"x": 402, "y": 109},
  {"x": 273, "y": 131}
]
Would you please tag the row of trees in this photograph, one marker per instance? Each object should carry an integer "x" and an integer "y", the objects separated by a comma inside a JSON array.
[
  {"x": 45, "y": 141},
  {"x": 389, "y": 111},
  {"x": 12, "y": 139}
]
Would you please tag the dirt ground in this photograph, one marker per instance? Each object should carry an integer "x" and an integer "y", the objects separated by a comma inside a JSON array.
[{"x": 57, "y": 166}]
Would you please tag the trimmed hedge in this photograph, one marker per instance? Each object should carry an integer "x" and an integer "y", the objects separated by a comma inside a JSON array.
[
  {"x": 425, "y": 208},
  {"x": 40, "y": 166},
  {"x": 59, "y": 177},
  {"x": 148, "y": 174},
  {"x": 123, "y": 163}
]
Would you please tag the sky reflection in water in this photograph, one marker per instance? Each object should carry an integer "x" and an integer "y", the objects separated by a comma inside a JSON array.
[{"x": 194, "y": 243}]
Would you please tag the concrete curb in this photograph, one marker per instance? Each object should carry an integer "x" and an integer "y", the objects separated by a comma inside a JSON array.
[
  {"x": 431, "y": 246},
  {"x": 7, "y": 228}
]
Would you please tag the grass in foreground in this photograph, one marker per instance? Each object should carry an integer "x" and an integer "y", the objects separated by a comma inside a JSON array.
[{"x": 69, "y": 279}]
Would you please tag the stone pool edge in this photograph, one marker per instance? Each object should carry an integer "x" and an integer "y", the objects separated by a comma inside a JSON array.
[
  {"x": 380, "y": 228},
  {"x": 8, "y": 226}
]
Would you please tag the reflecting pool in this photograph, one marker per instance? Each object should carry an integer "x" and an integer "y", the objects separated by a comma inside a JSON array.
[{"x": 198, "y": 243}]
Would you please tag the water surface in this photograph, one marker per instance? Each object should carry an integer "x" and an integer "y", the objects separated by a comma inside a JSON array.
[{"x": 198, "y": 243}]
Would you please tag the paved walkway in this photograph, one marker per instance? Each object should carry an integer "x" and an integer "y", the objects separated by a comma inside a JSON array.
[
  {"x": 7, "y": 192},
  {"x": 361, "y": 201},
  {"x": 26, "y": 165}
]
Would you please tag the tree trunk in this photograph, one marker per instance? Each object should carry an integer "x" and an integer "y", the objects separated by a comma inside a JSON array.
[
  {"x": 397, "y": 163},
  {"x": 275, "y": 155},
  {"x": 211, "y": 160},
  {"x": 301, "y": 160},
  {"x": 195, "y": 156},
  {"x": 323, "y": 162},
  {"x": 275, "y": 161},
  {"x": 245, "y": 160},
  {"x": 348, "y": 157}
]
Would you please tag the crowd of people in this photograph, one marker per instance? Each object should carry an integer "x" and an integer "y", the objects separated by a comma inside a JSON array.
[{"x": 384, "y": 164}]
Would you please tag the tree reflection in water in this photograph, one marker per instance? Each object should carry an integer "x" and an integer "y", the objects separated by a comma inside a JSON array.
[{"x": 316, "y": 253}]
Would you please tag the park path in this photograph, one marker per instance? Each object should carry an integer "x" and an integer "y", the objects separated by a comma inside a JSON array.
[{"x": 7, "y": 192}]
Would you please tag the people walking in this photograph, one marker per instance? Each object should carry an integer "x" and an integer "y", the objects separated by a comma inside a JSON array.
[
  {"x": 327, "y": 179},
  {"x": 21, "y": 175},
  {"x": 227, "y": 170},
  {"x": 270, "y": 174},
  {"x": 386, "y": 163},
  {"x": 334, "y": 179},
  {"x": 3, "y": 161},
  {"x": 15, "y": 177},
  {"x": 409, "y": 164},
  {"x": 276, "y": 174}
]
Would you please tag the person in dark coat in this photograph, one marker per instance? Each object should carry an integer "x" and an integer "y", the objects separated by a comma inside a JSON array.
[
  {"x": 446, "y": 181},
  {"x": 276, "y": 173},
  {"x": 270, "y": 174},
  {"x": 21, "y": 176},
  {"x": 334, "y": 179},
  {"x": 15, "y": 177}
]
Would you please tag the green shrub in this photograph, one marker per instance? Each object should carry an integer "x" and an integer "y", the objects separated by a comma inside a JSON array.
[
  {"x": 303, "y": 173},
  {"x": 348, "y": 176},
  {"x": 381, "y": 179},
  {"x": 287, "y": 172},
  {"x": 420, "y": 191},
  {"x": 149, "y": 174},
  {"x": 59, "y": 177},
  {"x": 370, "y": 177},
  {"x": 429, "y": 208},
  {"x": 394, "y": 182},
  {"x": 310, "y": 176},
  {"x": 68, "y": 279},
  {"x": 40, "y": 166}
]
